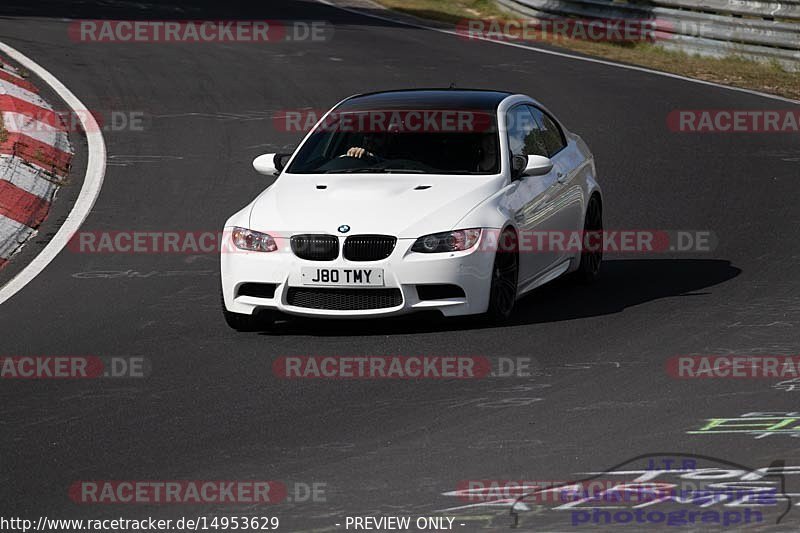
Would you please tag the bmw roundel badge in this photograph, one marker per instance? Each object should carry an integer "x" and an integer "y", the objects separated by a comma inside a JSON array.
[{"x": 344, "y": 228}]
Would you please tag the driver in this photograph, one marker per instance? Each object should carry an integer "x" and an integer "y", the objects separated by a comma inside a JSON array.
[
  {"x": 487, "y": 154},
  {"x": 373, "y": 145},
  {"x": 359, "y": 152}
]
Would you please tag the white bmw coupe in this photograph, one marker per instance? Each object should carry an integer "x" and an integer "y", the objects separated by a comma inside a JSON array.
[{"x": 414, "y": 200}]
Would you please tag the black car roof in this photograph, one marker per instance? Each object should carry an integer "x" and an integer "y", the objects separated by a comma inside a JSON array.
[{"x": 472, "y": 99}]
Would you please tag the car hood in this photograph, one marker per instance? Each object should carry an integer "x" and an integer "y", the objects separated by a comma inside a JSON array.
[{"x": 406, "y": 206}]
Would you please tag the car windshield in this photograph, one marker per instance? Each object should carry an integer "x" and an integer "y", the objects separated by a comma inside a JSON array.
[{"x": 422, "y": 142}]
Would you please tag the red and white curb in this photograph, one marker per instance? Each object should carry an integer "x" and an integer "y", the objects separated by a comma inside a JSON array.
[
  {"x": 92, "y": 180},
  {"x": 35, "y": 155}
]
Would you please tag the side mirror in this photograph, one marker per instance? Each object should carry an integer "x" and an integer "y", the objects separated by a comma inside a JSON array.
[
  {"x": 271, "y": 164},
  {"x": 532, "y": 165},
  {"x": 538, "y": 165},
  {"x": 518, "y": 164},
  {"x": 265, "y": 164}
]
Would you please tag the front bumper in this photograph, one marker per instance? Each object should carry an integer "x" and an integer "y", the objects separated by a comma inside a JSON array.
[{"x": 404, "y": 270}]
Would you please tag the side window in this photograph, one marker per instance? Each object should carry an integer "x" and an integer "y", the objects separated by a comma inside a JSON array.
[
  {"x": 552, "y": 135},
  {"x": 524, "y": 137}
]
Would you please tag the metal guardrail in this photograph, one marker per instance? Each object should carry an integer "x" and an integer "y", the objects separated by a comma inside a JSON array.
[{"x": 760, "y": 30}]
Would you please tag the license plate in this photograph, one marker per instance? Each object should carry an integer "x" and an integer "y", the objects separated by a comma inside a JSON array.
[{"x": 342, "y": 277}]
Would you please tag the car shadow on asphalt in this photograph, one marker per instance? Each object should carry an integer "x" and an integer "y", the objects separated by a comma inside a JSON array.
[{"x": 623, "y": 283}]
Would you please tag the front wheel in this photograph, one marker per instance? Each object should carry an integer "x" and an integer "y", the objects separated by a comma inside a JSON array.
[
  {"x": 258, "y": 321},
  {"x": 592, "y": 254},
  {"x": 505, "y": 271}
]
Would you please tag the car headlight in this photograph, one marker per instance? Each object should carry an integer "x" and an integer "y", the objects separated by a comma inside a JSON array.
[
  {"x": 254, "y": 241},
  {"x": 448, "y": 241}
]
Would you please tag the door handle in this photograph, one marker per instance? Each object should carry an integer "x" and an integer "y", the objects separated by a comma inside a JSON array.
[{"x": 561, "y": 177}]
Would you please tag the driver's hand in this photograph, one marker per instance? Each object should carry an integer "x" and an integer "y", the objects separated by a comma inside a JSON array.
[{"x": 358, "y": 152}]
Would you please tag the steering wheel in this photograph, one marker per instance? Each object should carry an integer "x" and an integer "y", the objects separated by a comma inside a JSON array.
[{"x": 366, "y": 157}]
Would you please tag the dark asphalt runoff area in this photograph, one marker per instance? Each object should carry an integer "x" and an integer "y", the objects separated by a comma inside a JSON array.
[{"x": 597, "y": 396}]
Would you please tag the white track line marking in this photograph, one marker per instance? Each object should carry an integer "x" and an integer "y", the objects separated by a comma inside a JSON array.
[
  {"x": 92, "y": 182},
  {"x": 568, "y": 56}
]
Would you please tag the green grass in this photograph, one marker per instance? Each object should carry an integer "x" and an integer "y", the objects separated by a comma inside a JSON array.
[{"x": 446, "y": 10}]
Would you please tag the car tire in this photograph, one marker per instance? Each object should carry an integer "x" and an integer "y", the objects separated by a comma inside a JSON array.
[
  {"x": 589, "y": 267},
  {"x": 505, "y": 274},
  {"x": 258, "y": 321}
]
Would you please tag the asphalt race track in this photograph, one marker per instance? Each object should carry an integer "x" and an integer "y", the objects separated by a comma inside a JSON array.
[{"x": 211, "y": 409}]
